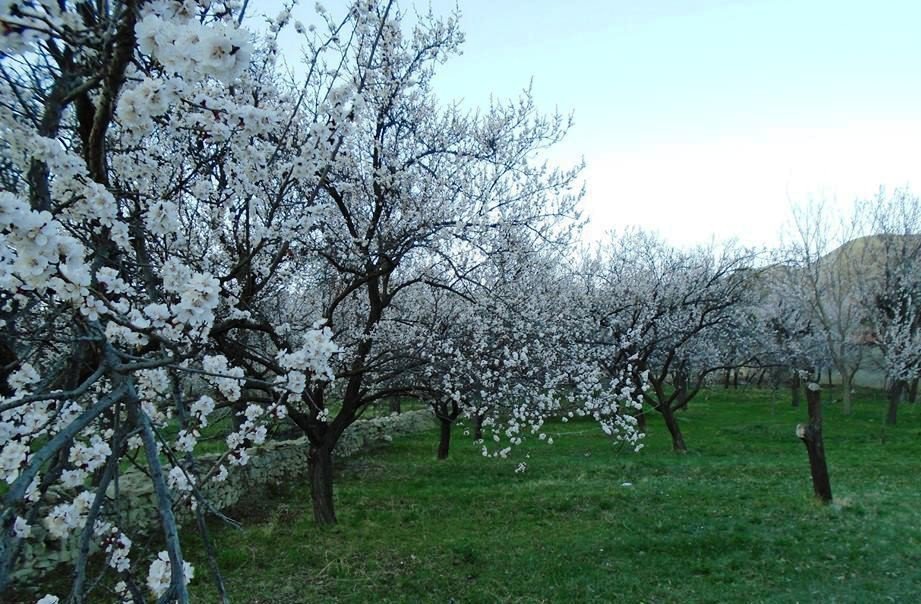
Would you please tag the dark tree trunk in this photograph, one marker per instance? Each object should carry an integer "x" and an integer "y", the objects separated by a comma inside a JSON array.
[
  {"x": 828, "y": 377},
  {"x": 847, "y": 384},
  {"x": 735, "y": 379},
  {"x": 672, "y": 424},
  {"x": 478, "y": 427},
  {"x": 896, "y": 390},
  {"x": 8, "y": 363},
  {"x": 444, "y": 442},
  {"x": 395, "y": 405},
  {"x": 811, "y": 435},
  {"x": 726, "y": 377},
  {"x": 681, "y": 401},
  {"x": 681, "y": 391},
  {"x": 320, "y": 469},
  {"x": 761, "y": 377},
  {"x": 795, "y": 389}
]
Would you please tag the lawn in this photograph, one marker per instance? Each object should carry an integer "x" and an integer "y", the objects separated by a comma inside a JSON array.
[{"x": 732, "y": 521}]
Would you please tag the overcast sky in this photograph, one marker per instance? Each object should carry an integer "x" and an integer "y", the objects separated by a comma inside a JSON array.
[{"x": 707, "y": 117}]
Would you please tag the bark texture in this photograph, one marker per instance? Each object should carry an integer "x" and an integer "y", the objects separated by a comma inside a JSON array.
[
  {"x": 320, "y": 470},
  {"x": 811, "y": 435}
]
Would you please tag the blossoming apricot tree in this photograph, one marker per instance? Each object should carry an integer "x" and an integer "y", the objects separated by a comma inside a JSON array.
[
  {"x": 517, "y": 348},
  {"x": 672, "y": 318},
  {"x": 428, "y": 204},
  {"x": 153, "y": 169}
]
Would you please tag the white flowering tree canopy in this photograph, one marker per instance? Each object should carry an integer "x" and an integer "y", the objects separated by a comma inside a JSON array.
[
  {"x": 517, "y": 348},
  {"x": 155, "y": 170},
  {"x": 187, "y": 232},
  {"x": 670, "y": 318}
]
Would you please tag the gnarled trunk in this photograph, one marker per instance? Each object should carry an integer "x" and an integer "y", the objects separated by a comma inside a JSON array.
[
  {"x": 795, "y": 389},
  {"x": 672, "y": 424},
  {"x": 320, "y": 471},
  {"x": 896, "y": 390},
  {"x": 847, "y": 382},
  {"x": 811, "y": 435},
  {"x": 447, "y": 414},
  {"x": 444, "y": 441}
]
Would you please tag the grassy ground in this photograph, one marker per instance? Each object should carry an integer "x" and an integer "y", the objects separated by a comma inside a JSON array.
[{"x": 732, "y": 521}]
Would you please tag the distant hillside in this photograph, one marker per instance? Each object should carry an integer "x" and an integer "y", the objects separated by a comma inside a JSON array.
[
  {"x": 851, "y": 266},
  {"x": 864, "y": 259},
  {"x": 847, "y": 273}
]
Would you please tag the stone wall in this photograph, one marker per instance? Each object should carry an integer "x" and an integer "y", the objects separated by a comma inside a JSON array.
[{"x": 273, "y": 462}]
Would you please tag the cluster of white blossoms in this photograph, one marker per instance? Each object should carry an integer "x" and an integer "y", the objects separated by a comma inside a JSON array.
[
  {"x": 222, "y": 376},
  {"x": 90, "y": 456},
  {"x": 37, "y": 254},
  {"x": 191, "y": 49},
  {"x": 313, "y": 359},
  {"x": 64, "y": 518},
  {"x": 201, "y": 409},
  {"x": 180, "y": 480},
  {"x": 148, "y": 99},
  {"x": 117, "y": 546},
  {"x": 252, "y": 432},
  {"x": 199, "y": 295},
  {"x": 24, "y": 425},
  {"x": 158, "y": 576},
  {"x": 186, "y": 440},
  {"x": 26, "y": 22}
]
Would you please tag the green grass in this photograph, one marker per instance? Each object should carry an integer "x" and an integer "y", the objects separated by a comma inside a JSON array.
[{"x": 732, "y": 521}]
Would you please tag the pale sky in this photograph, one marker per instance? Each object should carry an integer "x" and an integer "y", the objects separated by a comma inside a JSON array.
[{"x": 701, "y": 118}]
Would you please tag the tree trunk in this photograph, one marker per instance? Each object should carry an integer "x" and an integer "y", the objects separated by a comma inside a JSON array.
[
  {"x": 828, "y": 376},
  {"x": 735, "y": 379},
  {"x": 913, "y": 391},
  {"x": 477, "y": 427},
  {"x": 320, "y": 470},
  {"x": 672, "y": 424},
  {"x": 895, "y": 397},
  {"x": 395, "y": 405},
  {"x": 811, "y": 435},
  {"x": 847, "y": 380},
  {"x": 795, "y": 389},
  {"x": 681, "y": 398},
  {"x": 444, "y": 442},
  {"x": 8, "y": 363},
  {"x": 726, "y": 377}
]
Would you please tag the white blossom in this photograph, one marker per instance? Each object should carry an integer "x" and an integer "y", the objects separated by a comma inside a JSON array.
[{"x": 158, "y": 574}]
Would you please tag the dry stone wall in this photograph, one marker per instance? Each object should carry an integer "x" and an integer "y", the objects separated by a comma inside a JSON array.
[{"x": 273, "y": 462}]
